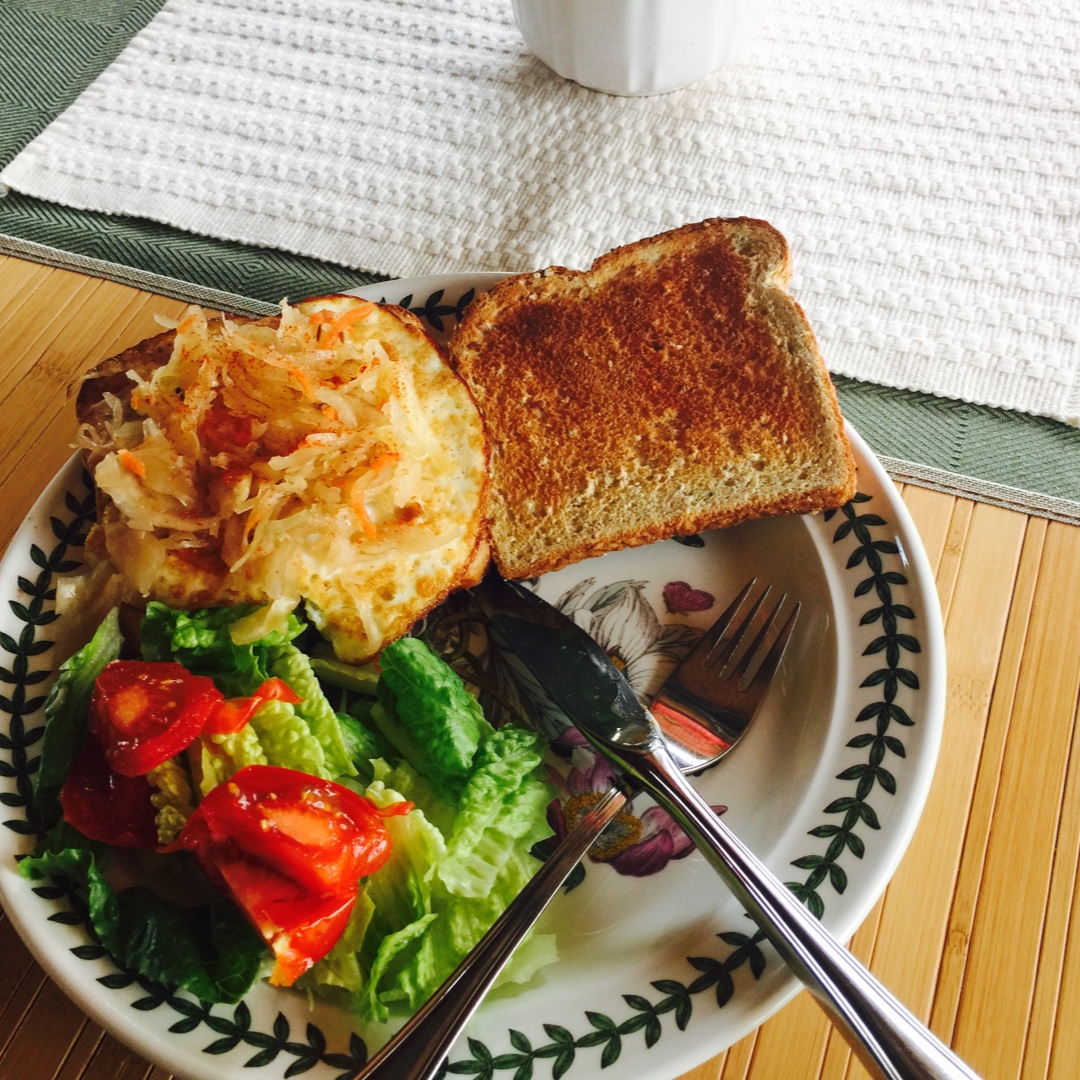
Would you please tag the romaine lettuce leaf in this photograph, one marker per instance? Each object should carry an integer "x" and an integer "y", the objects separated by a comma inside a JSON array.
[
  {"x": 290, "y": 664},
  {"x": 501, "y": 810},
  {"x": 460, "y": 924},
  {"x": 306, "y": 736},
  {"x": 340, "y": 968},
  {"x": 200, "y": 640},
  {"x": 500, "y": 816},
  {"x": 209, "y": 950},
  {"x": 216, "y": 757},
  {"x": 362, "y": 745},
  {"x": 463, "y": 884},
  {"x": 65, "y": 712},
  {"x": 401, "y": 890},
  {"x": 434, "y": 721},
  {"x": 391, "y": 948}
]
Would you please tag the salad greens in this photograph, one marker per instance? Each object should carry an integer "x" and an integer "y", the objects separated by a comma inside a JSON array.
[
  {"x": 66, "y": 708},
  {"x": 209, "y": 949},
  {"x": 458, "y": 858}
]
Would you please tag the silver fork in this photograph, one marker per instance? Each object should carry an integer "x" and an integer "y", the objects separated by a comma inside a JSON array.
[
  {"x": 704, "y": 707},
  {"x": 706, "y": 704}
]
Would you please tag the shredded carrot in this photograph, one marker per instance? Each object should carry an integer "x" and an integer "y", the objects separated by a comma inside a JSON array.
[
  {"x": 253, "y": 518},
  {"x": 301, "y": 376},
  {"x": 132, "y": 463},
  {"x": 382, "y": 461},
  {"x": 329, "y": 412},
  {"x": 356, "y": 492},
  {"x": 343, "y": 322},
  {"x": 356, "y": 497}
]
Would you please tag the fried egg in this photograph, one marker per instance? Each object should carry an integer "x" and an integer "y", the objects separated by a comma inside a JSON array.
[{"x": 328, "y": 457}]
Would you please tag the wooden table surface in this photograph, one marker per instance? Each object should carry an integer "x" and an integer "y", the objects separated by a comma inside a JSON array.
[{"x": 973, "y": 932}]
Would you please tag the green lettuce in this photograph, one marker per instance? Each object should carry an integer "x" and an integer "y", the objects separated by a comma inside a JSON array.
[
  {"x": 65, "y": 712},
  {"x": 464, "y": 853},
  {"x": 210, "y": 950},
  {"x": 500, "y": 816},
  {"x": 415, "y": 734},
  {"x": 306, "y": 736},
  {"x": 294, "y": 667},
  {"x": 426, "y": 712},
  {"x": 362, "y": 744},
  {"x": 502, "y": 810},
  {"x": 201, "y": 642}
]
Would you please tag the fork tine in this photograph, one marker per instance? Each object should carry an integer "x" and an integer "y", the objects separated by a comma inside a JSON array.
[
  {"x": 714, "y": 636},
  {"x": 763, "y": 676},
  {"x": 727, "y": 648},
  {"x": 742, "y": 669}
]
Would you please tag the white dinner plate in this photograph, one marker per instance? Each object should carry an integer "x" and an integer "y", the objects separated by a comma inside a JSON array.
[{"x": 657, "y": 972}]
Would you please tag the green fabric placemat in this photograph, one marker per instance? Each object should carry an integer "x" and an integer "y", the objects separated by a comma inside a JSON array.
[{"x": 50, "y": 50}]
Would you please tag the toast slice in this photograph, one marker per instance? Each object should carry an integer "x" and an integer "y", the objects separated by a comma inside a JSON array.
[{"x": 674, "y": 387}]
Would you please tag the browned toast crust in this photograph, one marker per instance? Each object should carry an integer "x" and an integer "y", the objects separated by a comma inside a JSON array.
[{"x": 673, "y": 387}]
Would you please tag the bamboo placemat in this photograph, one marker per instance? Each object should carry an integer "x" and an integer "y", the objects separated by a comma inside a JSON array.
[{"x": 973, "y": 933}]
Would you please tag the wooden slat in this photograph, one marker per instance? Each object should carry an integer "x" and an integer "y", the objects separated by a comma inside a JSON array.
[
  {"x": 18, "y": 279},
  {"x": 44, "y": 1037},
  {"x": 738, "y": 1058},
  {"x": 794, "y": 1038},
  {"x": 111, "y": 1060},
  {"x": 80, "y": 1053},
  {"x": 1065, "y": 1052},
  {"x": 1059, "y": 909},
  {"x": 932, "y": 512},
  {"x": 1003, "y": 952},
  {"x": 30, "y": 334},
  {"x": 20, "y": 982},
  {"x": 980, "y": 819}
]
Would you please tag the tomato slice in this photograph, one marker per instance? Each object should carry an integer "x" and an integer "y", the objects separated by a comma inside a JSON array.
[
  {"x": 143, "y": 712},
  {"x": 105, "y": 805},
  {"x": 319, "y": 833},
  {"x": 299, "y": 927},
  {"x": 232, "y": 714},
  {"x": 290, "y": 849}
]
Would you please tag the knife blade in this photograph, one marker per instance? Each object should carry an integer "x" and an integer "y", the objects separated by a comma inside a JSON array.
[{"x": 570, "y": 666}]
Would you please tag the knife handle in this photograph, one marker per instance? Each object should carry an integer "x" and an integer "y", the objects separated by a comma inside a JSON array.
[
  {"x": 891, "y": 1042},
  {"x": 419, "y": 1048}
]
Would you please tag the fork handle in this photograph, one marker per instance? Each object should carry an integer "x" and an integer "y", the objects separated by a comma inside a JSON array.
[
  {"x": 420, "y": 1047},
  {"x": 891, "y": 1042}
]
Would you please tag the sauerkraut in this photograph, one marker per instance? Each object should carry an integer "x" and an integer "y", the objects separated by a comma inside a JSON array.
[{"x": 328, "y": 456}]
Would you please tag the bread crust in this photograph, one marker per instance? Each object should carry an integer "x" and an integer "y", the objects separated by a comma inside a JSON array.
[{"x": 673, "y": 387}]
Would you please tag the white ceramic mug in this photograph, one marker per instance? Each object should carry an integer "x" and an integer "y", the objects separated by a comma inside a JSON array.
[{"x": 636, "y": 47}]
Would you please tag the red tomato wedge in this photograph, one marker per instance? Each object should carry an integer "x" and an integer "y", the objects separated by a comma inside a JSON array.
[
  {"x": 300, "y": 928},
  {"x": 143, "y": 712},
  {"x": 104, "y": 805},
  {"x": 233, "y": 713},
  {"x": 290, "y": 849}
]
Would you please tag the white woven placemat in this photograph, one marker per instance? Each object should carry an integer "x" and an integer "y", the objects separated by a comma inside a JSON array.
[{"x": 921, "y": 156}]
